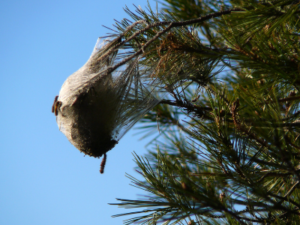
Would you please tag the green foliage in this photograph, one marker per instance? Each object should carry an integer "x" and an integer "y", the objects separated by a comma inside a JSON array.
[{"x": 226, "y": 144}]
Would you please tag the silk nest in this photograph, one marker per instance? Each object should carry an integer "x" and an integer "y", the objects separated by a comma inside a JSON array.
[{"x": 96, "y": 107}]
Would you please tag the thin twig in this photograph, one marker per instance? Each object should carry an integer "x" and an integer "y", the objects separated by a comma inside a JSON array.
[{"x": 102, "y": 165}]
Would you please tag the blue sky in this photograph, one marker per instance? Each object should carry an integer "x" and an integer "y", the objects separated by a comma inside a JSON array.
[{"x": 44, "y": 179}]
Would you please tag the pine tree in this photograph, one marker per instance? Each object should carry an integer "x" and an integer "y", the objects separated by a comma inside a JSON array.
[{"x": 226, "y": 149}]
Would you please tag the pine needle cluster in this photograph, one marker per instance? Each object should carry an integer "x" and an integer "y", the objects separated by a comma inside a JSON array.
[{"x": 227, "y": 145}]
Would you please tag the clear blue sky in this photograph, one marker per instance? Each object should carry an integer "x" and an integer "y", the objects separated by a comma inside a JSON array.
[{"x": 44, "y": 179}]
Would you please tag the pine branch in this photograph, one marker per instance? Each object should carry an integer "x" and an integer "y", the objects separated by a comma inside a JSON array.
[
  {"x": 235, "y": 80},
  {"x": 169, "y": 25}
]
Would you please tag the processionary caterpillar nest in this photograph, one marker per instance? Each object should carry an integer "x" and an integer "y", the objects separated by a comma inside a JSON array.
[{"x": 95, "y": 107}]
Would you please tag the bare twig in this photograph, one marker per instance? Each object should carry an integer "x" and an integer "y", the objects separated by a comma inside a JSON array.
[{"x": 102, "y": 165}]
